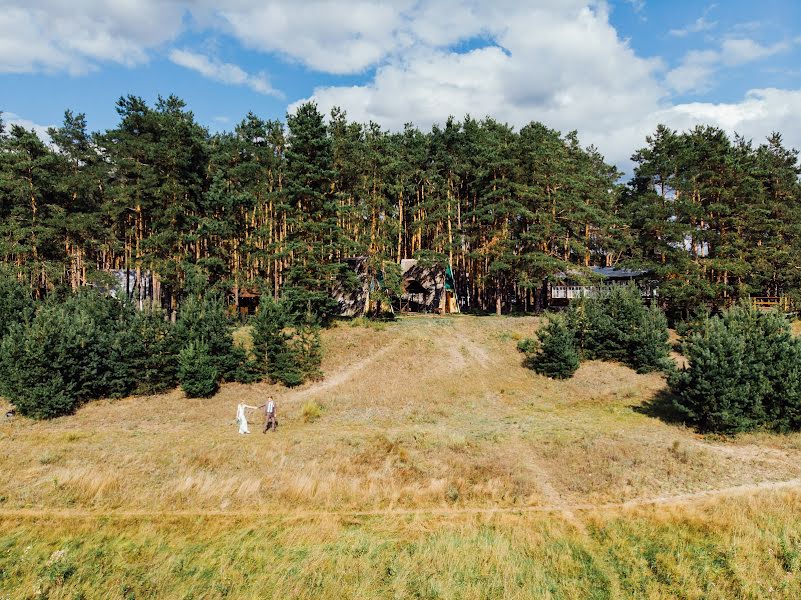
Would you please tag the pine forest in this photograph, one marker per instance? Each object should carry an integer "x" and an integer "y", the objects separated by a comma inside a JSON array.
[{"x": 277, "y": 206}]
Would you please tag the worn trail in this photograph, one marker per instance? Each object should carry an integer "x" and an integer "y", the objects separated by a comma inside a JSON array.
[{"x": 567, "y": 509}]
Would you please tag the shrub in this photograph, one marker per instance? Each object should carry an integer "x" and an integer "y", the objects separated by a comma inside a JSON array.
[
  {"x": 555, "y": 353},
  {"x": 616, "y": 325},
  {"x": 205, "y": 319},
  {"x": 147, "y": 346},
  {"x": 298, "y": 356},
  {"x": 197, "y": 373},
  {"x": 649, "y": 349},
  {"x": 290, "y": 352},
  {"x": 744, "y": 372},
  {"x": 63, "y": 356}
]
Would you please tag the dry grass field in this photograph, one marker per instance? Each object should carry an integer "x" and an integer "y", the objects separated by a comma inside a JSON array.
[{"x": 428, "y": 463}]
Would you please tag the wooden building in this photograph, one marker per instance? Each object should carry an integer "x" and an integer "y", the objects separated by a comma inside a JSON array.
[
  {"x": 428, "y": 288},
  {"x": 561, "y": 288}
]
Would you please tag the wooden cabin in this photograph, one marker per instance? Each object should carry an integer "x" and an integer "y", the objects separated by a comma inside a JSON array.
[
  {"x": 248, "y": 301},
  {"x": 428, "y": 289},
  {"x": 352, "y": 294}
]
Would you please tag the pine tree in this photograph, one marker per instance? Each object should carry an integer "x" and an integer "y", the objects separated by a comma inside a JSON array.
[
  {"x": 554, "y": 354},
  {"x": 315, "y": 241},
  {"x": 290, "y": 352},
  {"x": 197, "y": 372},
  {"x": 744, "y": 372},
  {"x": 203, "y": 319},
  {"x": 147, "y": 348},
  {"x": 16, "y": 303}
]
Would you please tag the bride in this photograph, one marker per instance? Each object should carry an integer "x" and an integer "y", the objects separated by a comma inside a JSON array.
[{"x": 241, "y": 417}]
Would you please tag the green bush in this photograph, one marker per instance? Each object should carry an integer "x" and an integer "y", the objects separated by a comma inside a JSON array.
[
  {"x": 63, "y": 356},
  {"x": 290, "y": 352},
  {"x": 649, "y": 349},
  {"x": 555, "y": 354},
  {"x": 197, "y": 373},
  {"x": 205, "y": 319},
  {"x": 147, "y": 347},
  {"x": 614, "y": 325},
  {"x": 744, "y": 372}
]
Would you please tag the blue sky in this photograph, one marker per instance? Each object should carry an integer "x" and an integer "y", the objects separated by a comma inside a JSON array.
[{"x": 612, "y": 70}]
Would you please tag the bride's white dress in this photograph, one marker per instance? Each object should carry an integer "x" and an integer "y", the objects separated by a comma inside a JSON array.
[{"x": 241, "y": 419}]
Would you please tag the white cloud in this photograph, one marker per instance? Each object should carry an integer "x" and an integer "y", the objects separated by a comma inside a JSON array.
[
  {"x": 557, "y": 61},
  {"x": 58, "y": 35},
  {"x": 227, "y": 73},
  {"x": 759, "y": 113},
  {"x": 695, "y": 72},
  {"x": 637, "y": 5},
  {"x": 338, "y": 36},
  {"x": 739, "y": 51},
  {"x": 562, "y": 64},
  {"x": 699, "y": 25},
  {"x": 10, "y": 119}
]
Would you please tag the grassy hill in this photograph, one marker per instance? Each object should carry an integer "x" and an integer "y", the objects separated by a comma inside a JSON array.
[{"x": 429, "y": 463}]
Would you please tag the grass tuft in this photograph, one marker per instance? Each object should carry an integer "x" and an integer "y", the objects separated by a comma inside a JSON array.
[{"x": 312, "y": 411}]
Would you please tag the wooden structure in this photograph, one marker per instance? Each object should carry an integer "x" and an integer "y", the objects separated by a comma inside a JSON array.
[
  {"x": 246, "y": 300},
  {"x": 561, "y": 288},
  {"x": 427, "y": 288},
  {"x": 352, "y": 294},
  {"x": 781, "y": 303}
]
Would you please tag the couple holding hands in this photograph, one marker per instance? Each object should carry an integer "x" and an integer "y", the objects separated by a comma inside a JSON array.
[{"x": 270, "y": 421}]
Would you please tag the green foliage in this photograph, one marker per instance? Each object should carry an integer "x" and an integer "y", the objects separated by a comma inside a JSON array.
[
  {"x": 16, "y": 303},
  {"x": 713, "y": 216},
  {"x": 205, "y": 319},
  {"x": 290, "y": 351},
  {"x": 616, "y": 325},
  {"x": 312, "y": 213},
  {"x": 648, "y": 343},
  {"x": 63, "y": 356},
  {"x": 744, "y": 372},
  {"x": 197, "y": 371},
  {"x": 554, "y": 354},
  {"x": 149, "y": 348},
  {"x": 613, "y": 325}
]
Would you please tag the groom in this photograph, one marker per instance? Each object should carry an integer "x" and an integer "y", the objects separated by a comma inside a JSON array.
[{"x": 269, "y": 415}]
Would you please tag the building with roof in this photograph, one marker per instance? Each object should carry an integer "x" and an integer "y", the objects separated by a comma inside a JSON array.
[{"x": 563, "y": 287}]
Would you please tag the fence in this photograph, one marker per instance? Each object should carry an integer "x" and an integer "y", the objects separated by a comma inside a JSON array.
[{"x": 771, "y": 302}]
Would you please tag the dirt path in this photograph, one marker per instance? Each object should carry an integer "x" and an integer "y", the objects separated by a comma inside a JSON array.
[
  {"x": 477, "y": 353},
  {"x": 344, "y": 375},
  {"x": 568, "y": 510}
]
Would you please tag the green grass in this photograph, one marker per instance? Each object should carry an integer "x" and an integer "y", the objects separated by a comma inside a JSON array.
[{"x": 731, "y": 549}]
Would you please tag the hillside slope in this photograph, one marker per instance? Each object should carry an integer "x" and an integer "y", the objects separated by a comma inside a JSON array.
[{"x": 433, "y": 441}]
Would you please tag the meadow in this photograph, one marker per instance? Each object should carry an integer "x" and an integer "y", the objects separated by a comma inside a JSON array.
[{"x": 428, "y": 463}]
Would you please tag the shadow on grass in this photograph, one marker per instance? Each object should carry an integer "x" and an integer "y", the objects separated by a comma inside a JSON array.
[{"x": 663, "y": 407}]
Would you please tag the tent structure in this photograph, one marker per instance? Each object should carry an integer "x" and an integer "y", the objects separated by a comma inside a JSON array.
[{"x": 428, "y": 288}]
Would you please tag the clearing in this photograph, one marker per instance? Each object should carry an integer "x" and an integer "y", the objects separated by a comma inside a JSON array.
[{"x": 439, "y": 468}]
